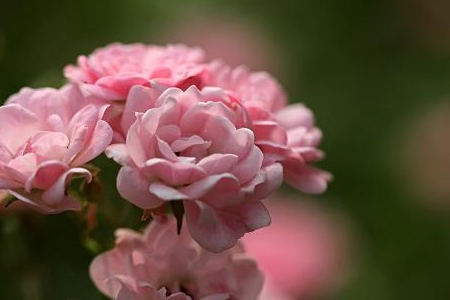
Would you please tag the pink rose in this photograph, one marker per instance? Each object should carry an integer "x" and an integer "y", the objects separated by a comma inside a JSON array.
[
  {"x": 189, "y": 148},
  {"x": 47, "y": 135},
  {"x": 285, "y": 134},
  {"x": 303, "y": 254},
  {"x": 161, "y": 265},
  {"x": 110, "y": 72}
]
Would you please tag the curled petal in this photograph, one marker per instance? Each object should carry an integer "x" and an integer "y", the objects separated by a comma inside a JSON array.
[
  {"x": 135, "y": 188},
  {"x": 118, "y": 152},
  {"x": 36, "y": 202},
  {"x": 166, "y": 192},
  {"x": 56, "y": 193},
  {"x": 100, "y": 139},
  {"x": 306, "y": 178},
  {"x": 46, "y": 175},
  {"x": 173, "y": 173},
  {"x": 219, "y": 229},
  {"x": 295, "y": 115}
]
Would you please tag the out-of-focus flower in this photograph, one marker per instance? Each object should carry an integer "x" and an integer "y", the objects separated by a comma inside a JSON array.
[
  {"x": 188, "y": 148},
  {"x": 425, "y": 157},
  {"x": 271, "y": 293},
  {"x": 285, "y": 134},
  {"x": 428, "y": 22},
  {"x": 47, "y": 135},
  {"x": 303, "y": 253},
  {"x": 233, "y": 40},
  {"x": 162, "y": 265}
]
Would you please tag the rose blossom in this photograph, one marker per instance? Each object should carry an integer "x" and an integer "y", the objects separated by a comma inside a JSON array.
[
  {"x": 422, "y": 162},
  {"x": 47, "y": 135},
  {"x": 162, "y": 265},
  {"x": 285, "y": 134},
  {"x": 110, "y": 72},
  {"x": 188, "y": 148},
  {"x": 313, "y": 258}
]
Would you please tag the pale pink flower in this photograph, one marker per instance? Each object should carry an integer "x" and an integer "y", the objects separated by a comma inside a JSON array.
[
  {"x": 110, "y": 72},
  {"x": 47, "y": 136},
  {"x": 235, "y": 41},
  {"x": 285, "y": 134},
  {"x": 189, "y": 148},
  {"x": 161, "y": 265},
  {"x": 422, "y": 161},
  {"x": 303, "y": 254}
]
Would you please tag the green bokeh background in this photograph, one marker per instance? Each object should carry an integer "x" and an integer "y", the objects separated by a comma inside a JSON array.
[{"x": 364, "y": 67}]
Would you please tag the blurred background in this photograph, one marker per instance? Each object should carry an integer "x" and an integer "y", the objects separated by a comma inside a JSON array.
[{"x": 377, "y": 76}]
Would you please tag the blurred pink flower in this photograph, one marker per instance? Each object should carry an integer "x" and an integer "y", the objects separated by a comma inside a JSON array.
[
  {"x": 233, "y": 40},
  {"x": 303, "y": 253},
  {"x": 269, "y": 292},
  {"x": 188, "y": 148},
  {"x": 47, "y": 135},
  {"x": 285, "y": 134},
  {"x": 425, "y": 157},
  {"x": 162, "y": 265}
]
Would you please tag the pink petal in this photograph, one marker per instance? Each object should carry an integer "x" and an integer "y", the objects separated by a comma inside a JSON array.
[
  {"x": 100, "y": 139},
  {"x": 221, "y": 185},
  {"x": 119, "y": 153},
  {"x": 268, "y": 180},
  {"x": 46, "y": 175},
  {"x": 306, "y": 178},
  {"x": 172, "y": 173},
  {"x": 134, "y": 144},
  {"x": 218, "y": 163},
  {"x": 184, "y": 143},
  {"x": 219, "y": 229},
  {"x": 135, "y": 188},
  {"x": 240, "y": 143},
  {"x": 56, "y": 193},
  {"x": 21, "y": 167},
  {"x": 165, "y": 151},
  {"x": 166, "y": 192},
  {"x": 208, "y": 230},
  {"x": 249, "y": 166},
  {"x": 270, "y": 131},
  {"x": 295, "y": 115},
  {"x": 18, "y": 125},
  {"x": 50, "y": 145},
  {"x": 105, "y": 266},
  {"x": 140, "y": 99},
  {"x": 36, "y": 202}
]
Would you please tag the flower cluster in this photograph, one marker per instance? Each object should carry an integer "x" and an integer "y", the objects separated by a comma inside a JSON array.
[
  {"x": 213, "y": 140},
  {"x": 47, "y": 137},
  {"x": 161, "y": 265}
]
